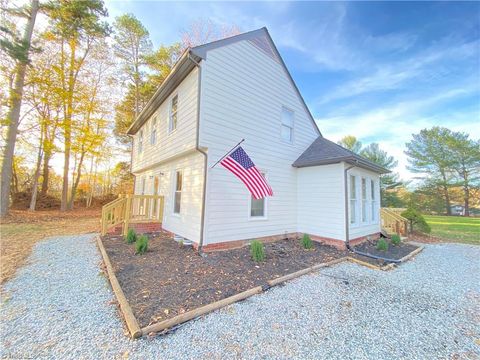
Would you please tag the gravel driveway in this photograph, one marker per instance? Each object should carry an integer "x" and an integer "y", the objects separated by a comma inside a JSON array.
[{"x": 59, "y": 306}]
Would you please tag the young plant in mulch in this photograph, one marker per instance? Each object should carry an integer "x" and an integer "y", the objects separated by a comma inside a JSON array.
[
  {"x": 257, "y": 251},
  {"x": 396, "y": 240},
  {"x": 141, "y": 245},
  {"x": 131, "y": 236},
  {"x": 307, "y": 242},
  {"x": 382, "y": 245}
]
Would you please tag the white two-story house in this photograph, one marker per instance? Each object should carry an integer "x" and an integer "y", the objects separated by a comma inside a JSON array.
[{"x": 239, "y": 88}]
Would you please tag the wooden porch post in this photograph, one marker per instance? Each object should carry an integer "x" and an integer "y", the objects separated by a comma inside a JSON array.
[{"x": 128, "y": 206}]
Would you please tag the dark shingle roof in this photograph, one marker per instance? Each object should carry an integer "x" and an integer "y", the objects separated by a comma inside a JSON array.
[{"x": 323, "y": 152}]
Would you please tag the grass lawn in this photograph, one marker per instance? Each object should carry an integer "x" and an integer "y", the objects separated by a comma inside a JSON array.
[
  {"x": 455, "y": 228},
  {"x": 22, "y": 229}
]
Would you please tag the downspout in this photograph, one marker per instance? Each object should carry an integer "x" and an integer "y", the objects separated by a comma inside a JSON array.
[
  {"x": 201, "y": 151},
  {"x": 347, "y": 224}
]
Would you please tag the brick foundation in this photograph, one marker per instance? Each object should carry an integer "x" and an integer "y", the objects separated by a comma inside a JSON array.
[
  {"x": 340, "y": 244},
  {"x": 235, "y": 244},
  {"x": 140, "y": 228}
]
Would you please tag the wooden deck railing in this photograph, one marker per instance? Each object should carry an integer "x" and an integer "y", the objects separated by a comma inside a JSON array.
[
  {"x": 128, "y": 209},
  {"x": 393, "y": 222}
]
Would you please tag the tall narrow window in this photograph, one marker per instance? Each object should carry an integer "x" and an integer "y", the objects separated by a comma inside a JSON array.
[
  {"x": 173, "y": 113},
  {"x": 153, "y": 132},
  {"x": 287, "y": 124},
  {"x": 257, "y": 206},
  {"x": 178, "y": 192},
  {"x": 374, "y": 199},
  {"x": 364, "y": 200},
  {"x": 353, "y": 200},
  {"x": 140, "y": 142}
]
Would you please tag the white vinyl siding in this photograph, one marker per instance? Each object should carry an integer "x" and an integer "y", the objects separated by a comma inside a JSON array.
[
  {"x": 353, "y": 199},
  {"x": 169, "y": 145},
  {"x": 173, "y": 117},
  {"x": 288, "y": 119},
  {"x": 140, "y": 142},
  {"x": 177, "y": 197},
  {"x": 243, "y": 93},
  {"x": 153, "y": 131}
]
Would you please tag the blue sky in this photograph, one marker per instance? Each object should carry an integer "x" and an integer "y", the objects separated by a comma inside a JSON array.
[{"x": 378, "y": 70}]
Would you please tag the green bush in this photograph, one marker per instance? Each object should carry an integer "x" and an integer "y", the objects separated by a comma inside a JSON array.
[
  {"x": 382, "y": 245},
  {"x": 131, "y": 236},
  {"x": 257, "y": 251},
  {"x": 307, "y": 242},
  {"x": 417, "y": 221},
  {"x": 141, "y": 245},
  {"x": 396, "y": 239}
]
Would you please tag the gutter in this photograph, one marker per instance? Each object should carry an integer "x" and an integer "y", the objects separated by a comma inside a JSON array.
[
  {"x": 201, "y": 151},
  {"x": 347, "y": 224}
]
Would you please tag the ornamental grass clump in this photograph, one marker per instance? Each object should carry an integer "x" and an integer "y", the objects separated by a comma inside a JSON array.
[
  {"x": 257, "y": 251},
  {"x": 396, "y": 240},
  {"x": 141, "y": 245},
  {"x": 382, "y": 245},
  {"x": 131, "y": 236},
  {"x": 307, "y": 242}
]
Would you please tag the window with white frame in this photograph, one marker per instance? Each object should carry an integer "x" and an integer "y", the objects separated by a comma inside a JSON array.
[
  {"x": 353, "y": 200},
  {"x": 258, "y": 206},
  {"x": 143, "y": 185},
  {"x": 288, "y": 117},
  {"x": 364, "y": 200},
  {"x": 373, "y": 202},
  {"x": 140, "y": 142},
  {"x": 177, "y": 199},
  {"x": 173, "y": 114},
  {"x": 153, "y": 132}
]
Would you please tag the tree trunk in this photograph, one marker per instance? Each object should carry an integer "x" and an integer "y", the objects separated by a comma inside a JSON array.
[
  {"x": 45, "y": 173},
  {"x": 446, "y": 194},
  {"x": 33, "y": 200},
  {"x": 77, "y": 181},
  {"x": 13, "y": 115}
]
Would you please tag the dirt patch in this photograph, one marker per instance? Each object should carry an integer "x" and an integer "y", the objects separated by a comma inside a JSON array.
[
  {"x": 21, "y": 230},
  {"x": 171, "y": 279},
  {"x": 395, "y": 252},
  {"x": 425, "y": 238}
]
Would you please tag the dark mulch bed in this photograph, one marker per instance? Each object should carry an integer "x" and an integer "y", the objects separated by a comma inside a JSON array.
[
  {"x": 171, "y": 279},
  {"x": 394, "y": 252}
]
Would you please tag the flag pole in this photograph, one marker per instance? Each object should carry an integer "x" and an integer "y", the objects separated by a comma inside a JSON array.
[{"x": 228, "y": 153}]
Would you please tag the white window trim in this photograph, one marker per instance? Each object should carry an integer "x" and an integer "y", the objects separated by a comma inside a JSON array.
[
  {"x": 174, "y": 190},
  {"x": 281, "y": 125},
  {"x": 265, "y": 207},
  {"x": 375, "y": 203},
  {"x": 170, "y": 123},
  {"x": 362, "y": 200}
]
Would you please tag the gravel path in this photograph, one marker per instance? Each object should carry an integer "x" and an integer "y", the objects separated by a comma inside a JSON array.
[{"x": 59, "y": 307}]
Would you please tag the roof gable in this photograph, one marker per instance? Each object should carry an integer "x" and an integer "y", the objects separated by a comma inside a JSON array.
[{"x": 323, "y": 151}]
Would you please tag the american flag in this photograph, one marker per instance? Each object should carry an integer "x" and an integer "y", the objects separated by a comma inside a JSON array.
[{"x": 240, "y": 164}]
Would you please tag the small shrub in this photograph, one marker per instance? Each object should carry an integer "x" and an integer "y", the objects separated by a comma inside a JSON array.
[
  {"x": 131, "y": 236},
  {"x": 417, "y": 221},
  {"x": 180, "y": 242},
  {"x": 382, "y": 245},
  {"x": 257, "y": 251},
  {"x": 307, "y": 242},
  {"x": 396, "y": 239},
  {"x": 141, "y": 245}
]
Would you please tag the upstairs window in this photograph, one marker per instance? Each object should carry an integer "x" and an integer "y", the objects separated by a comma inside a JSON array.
[
  {"x": 287, "y": 124},
  {"x": 178, "y": 192},
  {"x": 153, "y": 132},
  {"x": 364, "y": 200},
  {"x": 173, "y": 114},
  {"x": 353, "y": 200},
  {"x": 140, "y": 142}
]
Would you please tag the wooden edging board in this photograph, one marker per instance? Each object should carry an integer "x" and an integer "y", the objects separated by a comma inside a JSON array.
[
  {"x": 130, "y": 320},
  {"x": 136, "y": 331}
]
